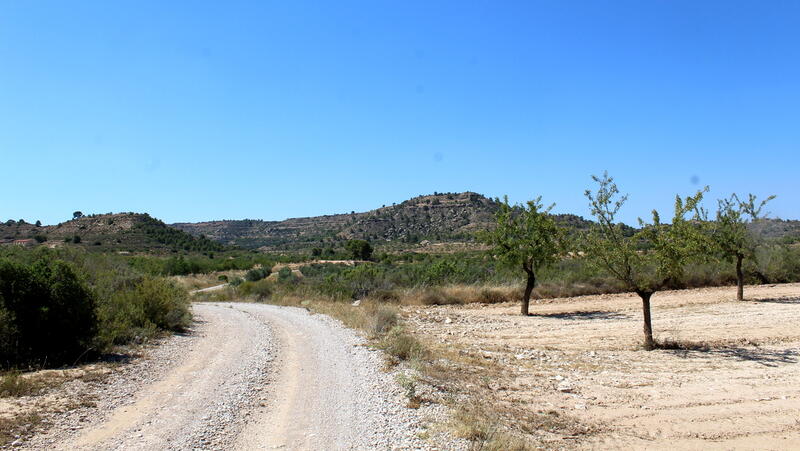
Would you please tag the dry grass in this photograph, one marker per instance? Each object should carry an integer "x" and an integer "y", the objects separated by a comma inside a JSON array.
[
  {"x": 199, "y": 281},
  {"x": 15, "y": 384},
  {"x": 493, "y": 294},
  {"x": 18, "y": 426},
  {"x": 460, "y": 294},
  {"x": 222, "y": 295},
  {"x": 402, "y": 346}
]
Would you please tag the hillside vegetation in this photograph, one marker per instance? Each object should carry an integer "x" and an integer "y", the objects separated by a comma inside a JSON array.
[
  {"x": 120, "y": 231},
  {"x": 435, "y": 218},
  {"x": 440, "y": 217}
]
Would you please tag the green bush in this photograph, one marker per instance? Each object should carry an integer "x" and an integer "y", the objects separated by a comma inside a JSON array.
[
  {"x": 256, "y": 274},
  {"x": 359, "y": 249},
  {"x": 401, "y": 345},
  {"x": 285, "y": 275},
  {"x": 47, "y": 313},
  {"x": 138, "y": 312},
  {"x": 260, "y": 290}
]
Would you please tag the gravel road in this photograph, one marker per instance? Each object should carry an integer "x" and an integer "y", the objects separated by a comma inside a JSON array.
[{"x": 254, "y": 376}]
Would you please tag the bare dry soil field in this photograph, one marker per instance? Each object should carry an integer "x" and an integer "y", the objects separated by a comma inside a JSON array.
[{"x": 736, "y": 387}]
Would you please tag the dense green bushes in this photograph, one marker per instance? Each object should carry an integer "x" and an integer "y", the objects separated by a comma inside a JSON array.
[
  {"x": 568, "y": 277},
  {"x": 141, "y": 310},
  {"x": 177, "y": 239},
  {"x": 47, "y": 312},
  {"x": 197, "y": 264},
  {"x": 256, "y": 274},
  {"x": 57, "y": 306}
]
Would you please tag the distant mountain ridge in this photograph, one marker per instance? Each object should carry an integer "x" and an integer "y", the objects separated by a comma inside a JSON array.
[
  {"x": 118, "y": 231},
  {"x": 438, "y": 217}
]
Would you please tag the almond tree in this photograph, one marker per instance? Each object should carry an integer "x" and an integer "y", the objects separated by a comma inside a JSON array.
[
  {"x": 525, "y": 236},
  {"x": 652, "y": 258},
  {"x": 732, "y": 236}
]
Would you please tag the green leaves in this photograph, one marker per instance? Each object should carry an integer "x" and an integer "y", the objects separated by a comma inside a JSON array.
[
  {"x": 656, "y": 254},
  {"x": 730, "y": 233},
  {"x": 525, "y": 235}
]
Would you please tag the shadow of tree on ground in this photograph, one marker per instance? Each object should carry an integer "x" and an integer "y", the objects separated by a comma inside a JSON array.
[
  {"x": 781, "y": 300},
  {"x": 584, "y": 315},
  {"x": 766, "y": 357}
]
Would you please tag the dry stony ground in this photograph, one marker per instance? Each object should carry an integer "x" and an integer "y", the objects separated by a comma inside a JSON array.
[
  {"x": 578, "y": 360},
  {"x": 247, "y": 376}
]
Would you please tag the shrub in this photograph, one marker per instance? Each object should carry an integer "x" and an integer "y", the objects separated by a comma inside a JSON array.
[
  {"x": 256, "y": 274},
  {"x": 401, "y": 345},
  {"x": 46, "y": 312},
  {"x": 382, "y": 321},
  {"x": 437, "y": 297},
  {"x": 150, "y": 304},
  {"x": 13, "y": 384},
  {"x": 260, "y": 290},
  {"x": 285, "y": 275},
  {"x": 359, "y": 249}
]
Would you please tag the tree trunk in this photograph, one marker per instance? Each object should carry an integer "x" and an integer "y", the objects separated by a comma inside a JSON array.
[
  {"x": 526, "y": 299},
  {"x": 649, "y": 344},
  {"x": 739, "y": 278}
]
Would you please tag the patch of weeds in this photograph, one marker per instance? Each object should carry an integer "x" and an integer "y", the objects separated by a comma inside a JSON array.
[
  {"x": 402, "y": 346},
  {"x": 18, "y": 426},
  {"x": 382, "y": 321},
  {"x": 409, "y": 384},
  {"x": 13, "y": 384},
  {"x": 482, "y": 429}
]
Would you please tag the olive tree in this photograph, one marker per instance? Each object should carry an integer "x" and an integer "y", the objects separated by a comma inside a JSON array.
[
  {"x": 650, "y": 259},
  {"x": 525, "y": 236},
  {"x": 734, "y": 240}
]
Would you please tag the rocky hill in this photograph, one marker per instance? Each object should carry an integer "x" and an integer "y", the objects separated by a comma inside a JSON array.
[
  {"x": 437, "y": 217},
  {"x": 121, "y": 231}
]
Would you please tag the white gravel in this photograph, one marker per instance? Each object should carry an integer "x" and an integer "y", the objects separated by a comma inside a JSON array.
[{"x": 252, "y": 376}]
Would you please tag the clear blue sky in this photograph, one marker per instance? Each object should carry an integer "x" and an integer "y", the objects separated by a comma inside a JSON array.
[{"x": 200, "y": 110}]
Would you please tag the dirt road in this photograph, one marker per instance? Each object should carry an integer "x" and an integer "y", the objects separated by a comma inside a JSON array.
[{"x": 260, "y": 377}]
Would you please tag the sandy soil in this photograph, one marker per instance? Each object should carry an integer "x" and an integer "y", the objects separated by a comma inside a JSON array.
[{"x": 581, "y": 356}]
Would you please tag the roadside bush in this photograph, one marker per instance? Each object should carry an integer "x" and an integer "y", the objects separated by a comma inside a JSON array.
[
  {"x": 256, "y": 274},
  {"x": 285, "y": 275},
  {"x": 140, "y": 311},
  {"x": 47, "y": 313},
  {"x": 382, "y": 321},
  {"x": 260, "y": 290},
  {"x": 401, "y": 345},
  {"x": 436, "y": 296}
]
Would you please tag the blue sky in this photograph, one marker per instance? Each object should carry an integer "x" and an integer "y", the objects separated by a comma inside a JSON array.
[{"x": 222, "y": 110}]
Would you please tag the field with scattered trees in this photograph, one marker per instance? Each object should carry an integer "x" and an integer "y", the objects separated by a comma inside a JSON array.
[{"x": 484, "y": 276}]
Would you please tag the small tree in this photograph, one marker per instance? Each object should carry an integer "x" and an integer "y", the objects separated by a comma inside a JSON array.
[
  {"x": 731, "y": 235},
  {"x": 525, "y": 236},
  {"x": 77, "y": 214},
  {"x": 38, "y": 223},
  {"x": 666, "y": 247},
  {"x": 359, "y": 249}
]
